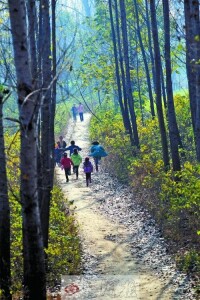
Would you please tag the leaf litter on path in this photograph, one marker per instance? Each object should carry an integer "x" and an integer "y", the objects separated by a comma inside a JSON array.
[{"x": 119, "y": 239}]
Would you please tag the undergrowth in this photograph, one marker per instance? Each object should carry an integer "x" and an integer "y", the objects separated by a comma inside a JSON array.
[
  {"x": 64, "y": 246},
  {"x": 175, "y": 204},
  {"x": 61, "y": 117}
]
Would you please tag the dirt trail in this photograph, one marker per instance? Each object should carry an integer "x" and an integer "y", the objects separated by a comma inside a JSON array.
[{"x": 106, "y": 244}]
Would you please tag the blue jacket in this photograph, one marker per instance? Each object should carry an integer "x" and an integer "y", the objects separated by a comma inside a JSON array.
[
  {"x": 97, "y": 151},
  {"x": 57, "y": 154},
  {"x": 71, "y": 149}
]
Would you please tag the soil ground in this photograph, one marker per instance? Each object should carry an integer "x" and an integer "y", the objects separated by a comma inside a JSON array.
[{"x": 107, "y": 244}]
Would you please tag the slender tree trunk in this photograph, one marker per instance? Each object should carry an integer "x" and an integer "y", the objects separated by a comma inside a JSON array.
[
  {"x": 158, "y": 84},
  {"x": 163, "y": 87},
  {"x": 121, "y": 61},
  {"x": 139, "y": 92},
  {"x": 99, "y": 97},
  {"x": 172, "y": 123},
  {"x": 53, "y": 98},
  {"x": 46, "y": 118},
  {"x": 117, "y": 67},
  {"x": 145, "y": 61},
  {"x": 127, "y": 70},
  {"x": 87, "y": 8},
  {"x": 190, "y": 55},
  {"x": 34, "y": 275},
  {"x": 32, "y": 17},
  {"x": 150, "y": 43},
  {"x": 5, "y": 275},
  {"x": 192, "y": 23}
]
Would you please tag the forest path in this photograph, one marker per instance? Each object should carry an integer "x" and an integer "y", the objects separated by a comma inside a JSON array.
[{"x": 107, "y": 244}]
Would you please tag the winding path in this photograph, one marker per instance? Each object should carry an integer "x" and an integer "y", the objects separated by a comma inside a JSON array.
[{"x": 108, "y": 245}]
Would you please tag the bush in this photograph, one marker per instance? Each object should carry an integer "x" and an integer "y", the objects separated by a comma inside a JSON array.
[
  {"x": 64, "y": 246},
  {"x": 171, "y": 198}
]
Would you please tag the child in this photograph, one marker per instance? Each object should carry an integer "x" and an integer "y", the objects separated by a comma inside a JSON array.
[
  {"x": 76, "y": 159},
  {"x": 57, "y": 154},
  {"x": 66, "y": 163},
  {"x": 97, "y": 152},
  {"x": 72, "y": 147},
  {"x": 88, "y": 169}
]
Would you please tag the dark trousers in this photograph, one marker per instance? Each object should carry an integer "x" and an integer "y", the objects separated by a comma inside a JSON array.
[
  {"x": 67, "y": 172},
  {"x": 96, "y": 162},
  {"x": 88, "y": 178},
  {"x": 75, "y": 169},
  {"x": 74, "y": 117},
  {"x": 81, "y": 116}
]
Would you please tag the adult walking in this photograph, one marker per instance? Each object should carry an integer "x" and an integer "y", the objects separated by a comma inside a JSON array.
[
  {"x": 74, "y": 112},
  {"x": 97, "y": 152},
  {"x": 80, "y": 111},
  {"x": 62, "y": 142}
]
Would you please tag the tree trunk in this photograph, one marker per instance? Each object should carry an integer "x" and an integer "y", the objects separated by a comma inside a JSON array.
[
  {"x": 172, "y": 123},
  {"x": 5, "y": 280},
  {"x": 192, "y": 23},
  {"x": 127, "y": 71},
  {"x": 54, "y": 75},
  {"x": 121, "y": 61},
  {"x": 158, "y": 85},
  {"x": 46, "y": 118},
  {"x": 150, "y": 43},
  {"x": 34, "y": 265},
  {"x": 163, "y": 87},
  {"x": 32, "y": 27},
  {"x": 117, "y": 68},
  {"x": 145, "y": 61},
  {"x": 87, "y": 8},
  {"x": 190, "y": 57},
  {"x": 139, "y": 92}
]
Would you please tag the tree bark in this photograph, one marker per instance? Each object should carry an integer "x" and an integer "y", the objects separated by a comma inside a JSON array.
[
  {"x": 158, "y": 84},
  {"x": 87, "y": 8},
  {"x": 124, "y": 117},
  {"x": 129, "y": 92},
  {"x": 172, "y": 123},
  {"x": 145, "y": 61},
  {"x": 150, "y": 43},
  {"x": 34, "y": 264},
  {"x": 32, "y": 31},
  {"x": 190, "y": 57},
  {"x": 121, "y": 61},
  {"x": 46, "y": 119},
  {"x": 192, "y": 25},
  {"x": 5, "y": 277}
]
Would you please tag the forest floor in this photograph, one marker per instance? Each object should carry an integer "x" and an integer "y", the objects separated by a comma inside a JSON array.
[{"x": 123, "y": 254}]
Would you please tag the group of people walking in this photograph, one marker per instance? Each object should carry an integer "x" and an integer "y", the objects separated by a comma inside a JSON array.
[
  {"x": 74, "y": 160},
  {"x": 77, "y": 110}
]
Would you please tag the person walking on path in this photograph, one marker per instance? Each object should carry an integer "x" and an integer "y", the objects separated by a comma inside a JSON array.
[
  {"x": 57, "y": 154},
  {"x": 80, "y": 111},
  {"x": 88, "y": 169},
  {"x": 62, "y": 142},
  {"x": 76, "y": 159},
  {"x": 74, "y": 112},
  {"x": 72, "y": 147},
  {"x": 97, "y": 152},
  {"x": 66, "y": 164}
]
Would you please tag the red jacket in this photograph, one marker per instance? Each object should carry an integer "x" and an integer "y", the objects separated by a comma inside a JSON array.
[{"x": 66, "y": 162}]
